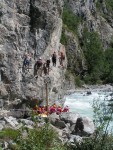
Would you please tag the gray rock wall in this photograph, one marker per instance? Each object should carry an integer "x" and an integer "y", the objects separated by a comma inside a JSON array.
[
  {"x": 34, "y": 27},
  {"x": 96, "y": 18},
  {"x": 93, "y": 15}
]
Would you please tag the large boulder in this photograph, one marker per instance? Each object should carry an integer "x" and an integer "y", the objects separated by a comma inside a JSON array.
[
  {"x": 75, "y": 138},
  {"x": 69, "y": 117},
  {"x": 89, "y": 93},
  {"x": 84, "y": 127},
  {"x": 58, "y": 131},
  {"x": 15, "y": 114},
  {"x": 27, "y": 122},
  {"x": 53, "y": 117},
  {"x": 55, "y": 120},
  {"x": 89, "y": 127},
  {"x": 11, "y": 121}
]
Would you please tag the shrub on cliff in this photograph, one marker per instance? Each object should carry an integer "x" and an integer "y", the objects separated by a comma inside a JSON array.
[
  {"x": 109, "y": 4},
  {"x": 108, "y": 72},
  {"x": 70, "y": 20}
]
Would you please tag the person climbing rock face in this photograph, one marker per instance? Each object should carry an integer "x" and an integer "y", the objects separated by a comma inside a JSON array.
[
  {"x": 38, "y": 66},
  {"x": 54, "y": 59},
  {"x": 61, "y": 58},
  {"x": 48, "y": 65},
  {"x": 45, "y": 69},
  {"x": 26, "y": 61}
]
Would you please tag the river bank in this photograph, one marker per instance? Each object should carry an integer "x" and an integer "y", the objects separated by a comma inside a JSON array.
[{"x": 90, "y": 88}]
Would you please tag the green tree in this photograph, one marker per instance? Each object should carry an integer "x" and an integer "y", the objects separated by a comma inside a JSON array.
[
  {"x": 70, "y": 20},
  {"x": 94, "y": 55},
  {"x": 109, "y": 65}
]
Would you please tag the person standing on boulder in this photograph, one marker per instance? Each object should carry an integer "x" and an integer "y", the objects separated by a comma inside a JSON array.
[{"x": 54, "y": 59}]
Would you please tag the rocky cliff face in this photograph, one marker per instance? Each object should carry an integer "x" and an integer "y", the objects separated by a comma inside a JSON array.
[
  {"x": 95, "y": 16},
  {"x": 33, "y": 27}
]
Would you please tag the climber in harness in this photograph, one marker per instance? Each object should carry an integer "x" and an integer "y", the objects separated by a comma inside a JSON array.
[
  {"x": 38, "y": 66},
  {"x": 54, "y": 59},
  {"x": 61, "y": 58},
  {"x": 48, "y": 65},
  {"x": 26, "y": 61},
  {"x": 45, "y": 68}
]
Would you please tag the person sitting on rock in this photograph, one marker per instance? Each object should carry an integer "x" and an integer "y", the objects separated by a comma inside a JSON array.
[
  {"x": 43, "y": 109},
  {"x": 79, "y": 127},
  {"x": 53, "y": 108},
  {"x": 66, "y": 109},
  {"x": 38, "y": 65},
  {"x": 39, "y": 110},
  {"x": 35, "y": 109},
  {"x": 54, "y": 59},
  {"x": 59, "y": 110}
]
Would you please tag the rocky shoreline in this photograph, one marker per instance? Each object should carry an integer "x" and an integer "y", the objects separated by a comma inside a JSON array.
[
  {"x": 64, "y": 124},
  {"x": 85, "y": 88}
]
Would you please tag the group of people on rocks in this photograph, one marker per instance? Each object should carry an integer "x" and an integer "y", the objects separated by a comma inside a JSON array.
[
  {"x": 51, "y": 109},
  {"x": 43, "y": 66}
]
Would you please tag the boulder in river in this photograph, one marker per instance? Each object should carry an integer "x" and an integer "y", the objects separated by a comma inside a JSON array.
[{"x": 89, "y": 93}]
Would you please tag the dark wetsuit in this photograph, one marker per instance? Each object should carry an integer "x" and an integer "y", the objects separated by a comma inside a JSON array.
[{"x": 54, "y": 59}]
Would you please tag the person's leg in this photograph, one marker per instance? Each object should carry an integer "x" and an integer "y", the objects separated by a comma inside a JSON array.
[
  {"x": 41, "y": 71},
  {"x": 61, "y": 62},
  {"x": 55, "y": 62},
  {"x": 28, "y": 63},
  {"x": 48, "y": 69}
]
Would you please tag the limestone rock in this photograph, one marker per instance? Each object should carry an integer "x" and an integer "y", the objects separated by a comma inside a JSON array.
[
  {"x": 89, "y": 127},
  {"x": 84, "y": 127},
  {"x": 12, "y": 121},
  {"x": 60, "y": 124},
  {"x": 32, "y": 27},
  {"x": 69, "y": 117},
  {"x": 75, "y": 138},
  {"x": 27, "y": 122}
]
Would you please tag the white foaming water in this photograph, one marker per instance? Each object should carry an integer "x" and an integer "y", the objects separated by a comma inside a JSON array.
[{"x": 81, "y": 103}]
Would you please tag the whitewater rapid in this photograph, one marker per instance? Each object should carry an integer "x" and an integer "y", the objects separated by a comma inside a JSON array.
[{"x": 80, "y": 102}]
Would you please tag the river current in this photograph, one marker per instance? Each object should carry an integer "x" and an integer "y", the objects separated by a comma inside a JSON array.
[{"x": 81, "y": 102}]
